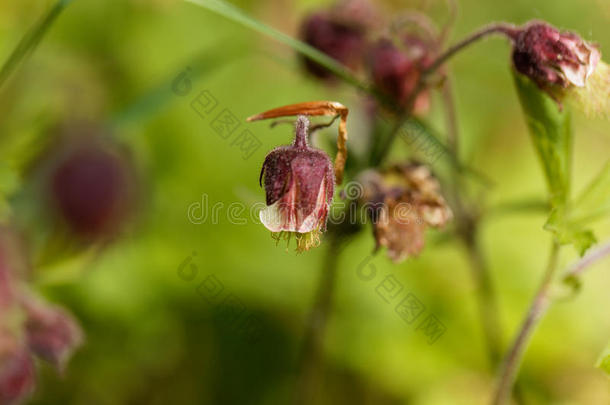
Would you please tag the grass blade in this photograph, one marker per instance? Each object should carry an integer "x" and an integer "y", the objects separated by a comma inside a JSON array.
[
  {"x": 31, "y": 39},
  {"x": 233, "y": 13}
]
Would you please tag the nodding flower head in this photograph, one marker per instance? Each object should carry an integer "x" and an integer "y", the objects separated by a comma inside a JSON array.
[
  {"x": 402, "y": 202},
  {"x": 554, "y": 59},
  {"x": 299, "y": 185},
  {"x": 396, "y": 70},
  {"x": 339, "y": 38}
]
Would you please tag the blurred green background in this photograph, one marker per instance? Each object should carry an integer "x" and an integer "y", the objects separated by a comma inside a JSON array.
[{"x": 152, "y": 339}]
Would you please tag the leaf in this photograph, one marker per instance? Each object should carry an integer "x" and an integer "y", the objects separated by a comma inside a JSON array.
[
  {"x": 30, "y": 40},
  {"x": 237, "y": 15},
  {"x": 567, "y": 231},
  {"x": 594, "y": 202},
  {"x": 604, "y": 361},
  {"x": 551, "y": 134}
]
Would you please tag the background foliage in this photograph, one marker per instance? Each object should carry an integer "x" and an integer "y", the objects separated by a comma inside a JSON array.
[{"x": 152, "y": 339}]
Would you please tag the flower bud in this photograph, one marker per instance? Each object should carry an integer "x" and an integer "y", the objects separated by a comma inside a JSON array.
[
  {"x": 396, "y": 71},
  {"x": 552, "y": 58},
  {"x": 402, "y": 202},
  {"x": 337, "y": 38},
  {"x": 299, "y": 185},
  {"x": 92, "y": 187},
  {"x": 52, "y": 334}
]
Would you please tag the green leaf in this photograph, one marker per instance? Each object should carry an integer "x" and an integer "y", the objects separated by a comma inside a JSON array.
[
  {"x": 30, "y": 40},
  {"x": 594, "y": 202},
  {"x": 231, "y": 12},
  {"x": 604, "y": 361},
  {"x": 551, "y": 134},
  {"x": 568, "y": 232}
]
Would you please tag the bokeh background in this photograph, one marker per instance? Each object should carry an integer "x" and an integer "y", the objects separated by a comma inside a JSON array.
[{"x": 152, "y": 339}]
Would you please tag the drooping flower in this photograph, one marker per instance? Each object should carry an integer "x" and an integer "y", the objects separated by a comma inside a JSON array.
[
  {"x": 299, "y": 185},
  {"x": 565, "y": 66},
  {"x": 29, "y": 327},
  {"x": 339, "y": 32},
  {"x": 402, "y": 203},
  {"x": 396, "y": 70}
]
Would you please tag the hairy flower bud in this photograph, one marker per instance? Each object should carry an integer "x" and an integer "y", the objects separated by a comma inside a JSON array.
[
  {"x": 396, "y": 70},
  {"x": 337, "y": 38},
  {"x": 299, "y": 185},
  {"x": 552, "y": 58},
  {"x": 402, "y": 202}
]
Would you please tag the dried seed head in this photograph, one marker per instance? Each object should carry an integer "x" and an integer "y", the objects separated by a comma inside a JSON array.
[
  {"x": 552, "y": 58},
  {"x": 299, "y": 185},
  {"x": 402, "y": 202}
]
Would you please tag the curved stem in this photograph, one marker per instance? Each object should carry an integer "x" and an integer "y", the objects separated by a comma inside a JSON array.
[
  {"x": 309, "y": 362},
  {"x": 498, "y": 28},
  {"x": 540, "y": 304},
  {"x": 580, "y": 266}
]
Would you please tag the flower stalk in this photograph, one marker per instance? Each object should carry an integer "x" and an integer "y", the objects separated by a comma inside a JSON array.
[{"x": 538, "y": 307}]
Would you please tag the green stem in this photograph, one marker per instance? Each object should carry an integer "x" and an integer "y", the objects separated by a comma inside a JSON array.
[
  {"x": 311, "y": 355},
  {"x": 538, "y": 307}
]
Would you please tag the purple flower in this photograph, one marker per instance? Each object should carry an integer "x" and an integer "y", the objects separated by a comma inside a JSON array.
[
  {"x": 396, "y": 70},
  {"x": 299, "y": 185},
  {"x": 340, "y": 40},
  {"x": 552, "y": 58},
  {"x": 92, "y": 187}
]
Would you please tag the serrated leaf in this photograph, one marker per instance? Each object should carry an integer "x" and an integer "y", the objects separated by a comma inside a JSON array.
[
  {"x": 551, "y": 134},
  {"x": 594, "y": 202}
]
